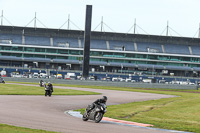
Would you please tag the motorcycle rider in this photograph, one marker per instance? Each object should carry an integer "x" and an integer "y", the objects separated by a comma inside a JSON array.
[
  {"x": 2, "y": 80},
  {"x": 48, "y": 89},
  {"x": 98, "y": 101},
  {"x": 41, "y": 83}
]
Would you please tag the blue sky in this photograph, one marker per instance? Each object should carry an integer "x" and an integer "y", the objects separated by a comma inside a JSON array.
[{"x": 151, "y": 15}]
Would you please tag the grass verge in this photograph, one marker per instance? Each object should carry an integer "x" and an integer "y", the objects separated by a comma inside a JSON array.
[
  {"x": 13, "y": 129},
  {"x": 177, "y": 113},
  {"x": 10, "y": 89}
]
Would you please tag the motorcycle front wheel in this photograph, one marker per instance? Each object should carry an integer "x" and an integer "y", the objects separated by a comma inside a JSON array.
[
  {"x": 98, "y": 117},
  {"x": 85, "y": 118}
]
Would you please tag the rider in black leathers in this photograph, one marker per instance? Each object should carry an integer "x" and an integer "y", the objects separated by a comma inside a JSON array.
[
  {"x": 98, "y": 101},
  {"x": 48, "y": 89},
  {"x": 41, "y": 81},
  {"x": 102, "y": 100}
]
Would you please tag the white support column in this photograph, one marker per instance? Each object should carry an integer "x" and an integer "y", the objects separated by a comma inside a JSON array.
[
  {"x": 163, "y": 48},
  {"x": 108, "y": 45},
  {"x": 190, "y": 49},
  {"x": 135, "y": 46},
  {"x": 23, "y": 39},
  {"x": 79, "y": 43},
  {"x": 51, "y": 41}
]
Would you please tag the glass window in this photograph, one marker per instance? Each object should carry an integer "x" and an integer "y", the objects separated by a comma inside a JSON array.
[
  {"x": 72, "y": 58},
  {"x": 51, "y": 50},
  {"x": 141, "y": 56},
  {"x": 28, "y": 55},
  {"x": 152, "y": 57},
  {"x": 16, "y": 48},
  {"x": 16, "y": 54},
  {"x": 40, "y": 56},
  {"x": 62, "y": 51},
  {"x": 29, "y": 49},
  {"x": 6, "y": 54},
  {"x": 50, "y": 56},
  {"x": 6, "y": 48},
  {"x": 74, "y": 52},
  {"x": 130, "y": 55},
  {"x": 94, "y": 53},
  {"x": 60, "y": 57},
  {"x": 39, "y": 50}
]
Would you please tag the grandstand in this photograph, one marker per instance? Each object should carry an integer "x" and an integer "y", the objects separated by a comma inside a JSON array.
[{"x": 110, "y": 52}]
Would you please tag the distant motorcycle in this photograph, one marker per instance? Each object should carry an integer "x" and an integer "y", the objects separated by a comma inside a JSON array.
[
  {"x": 42, "y": 84},
  {"x": 48, "y": 90},
  {"x": 96, "y": 113},
  {"x": 2, "y": 80}
]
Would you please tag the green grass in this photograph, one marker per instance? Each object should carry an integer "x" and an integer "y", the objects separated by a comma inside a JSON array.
[
  {"x": 10, "y": 89},
  {"x": 178, "y": 113},
  {"x": 13, "y": 129}
]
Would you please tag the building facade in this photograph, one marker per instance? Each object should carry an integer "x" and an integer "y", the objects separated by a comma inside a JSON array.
[{"x": 110, "y": 52}]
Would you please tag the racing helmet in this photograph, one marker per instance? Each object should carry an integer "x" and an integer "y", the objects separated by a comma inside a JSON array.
[{"x": 104, "y": 98}]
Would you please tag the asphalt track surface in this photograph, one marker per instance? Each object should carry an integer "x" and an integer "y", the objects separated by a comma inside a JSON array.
[{"x": 47, "y": 113}]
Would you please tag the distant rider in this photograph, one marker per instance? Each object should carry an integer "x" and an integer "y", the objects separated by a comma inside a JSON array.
[
  {"x": 41, "y": 83},
  {"x": 98, "y": 101},
  {"x": 48, "y": 89}
]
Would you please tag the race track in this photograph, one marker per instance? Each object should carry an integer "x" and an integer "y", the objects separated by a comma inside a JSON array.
[{"x": 47, "y": 113}]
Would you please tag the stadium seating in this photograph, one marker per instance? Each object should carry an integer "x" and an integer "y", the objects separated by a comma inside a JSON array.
[
  {"x": 158, "y": 66},
  {"x": 37, "y": 59},
  {"x": 122, "y": 64},
  {"x": 98, "y": 63},
  {"x": 151, "y": 66},
  {"x": 97, "y": 44},
  {"x": 195, "y": 50},
  {"x": 37, "y": 40},
  {"x": 184, "y": 68},
  {"x": 149, "y": 47},
  {"x": 196, "y": 68},
  {"x": 145, "y": 66},
  {"x": 176, "y": 49},
  {"x": 128, "y": 64},
  {"x": 71, "y": 42},
  {"x": 66, "y": 61},
  {"x": 15, "y": 39},
  {"x": 128, "y": 46},
  {"x": 10, "y": 58}
]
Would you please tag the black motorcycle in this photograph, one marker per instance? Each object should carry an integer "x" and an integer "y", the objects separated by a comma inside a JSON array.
[
  {"x": 96, "y": 113},
  {"x": 42, "y": 84},
  {"x": 48, "y": 91},
  {"x": 2, "y": 80}
]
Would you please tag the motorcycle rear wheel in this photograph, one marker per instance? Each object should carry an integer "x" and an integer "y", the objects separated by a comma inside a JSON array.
[
  {"x": 98, "y": 117},
  {"x": 84, "y": 118}
]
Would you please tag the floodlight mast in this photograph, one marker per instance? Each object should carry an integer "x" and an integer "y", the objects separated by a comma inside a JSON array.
[
  {"x": 87, "y": 35},
  {"x": 199, "y": 31},
  {"x": 2, "y": 18},
  {"x": 102, "y": 24},
  {"x": 135, "y": 26},
  {"x": 68, "y": 21},
  {"x": 167, "y": 32},
  {"x": 35, "y": 21}
]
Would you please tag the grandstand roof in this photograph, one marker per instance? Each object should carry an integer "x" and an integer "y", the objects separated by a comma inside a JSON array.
[{"x": 99, "y": 35}]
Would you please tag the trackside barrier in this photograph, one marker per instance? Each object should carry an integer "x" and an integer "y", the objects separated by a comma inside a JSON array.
[{"x": 106, "y": 83}]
